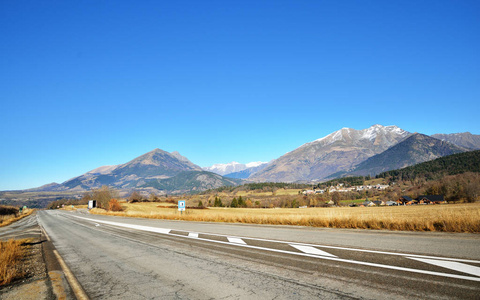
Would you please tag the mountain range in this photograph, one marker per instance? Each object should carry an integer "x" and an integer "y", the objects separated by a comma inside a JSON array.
[
  {"x": 235, "y": 167},
  {"x": 341, "y": 153},
  {"x": 338, "y": 151},
  {"x": 464, "y": 139},
  {"x": 415, "y": 149}
]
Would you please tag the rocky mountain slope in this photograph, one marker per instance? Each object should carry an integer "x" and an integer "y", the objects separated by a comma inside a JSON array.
[
  {"x": 156, "y": 164},
  {"x": 413, "y": 150},
  {"x": 339, "y": 151},
  {"x": 244, "y": 174},
  {"x": 193, "y": 181},
  {"x": 464, "y": 139}
]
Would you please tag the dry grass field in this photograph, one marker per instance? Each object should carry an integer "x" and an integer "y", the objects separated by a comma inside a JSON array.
[
  {"x": 9, "y": 219},
  {"x": 444, "y": 218},
  {"x": 11, "y": 254}
]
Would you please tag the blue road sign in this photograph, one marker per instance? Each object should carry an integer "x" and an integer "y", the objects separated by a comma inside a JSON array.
[{"x": 181, "y": 205}]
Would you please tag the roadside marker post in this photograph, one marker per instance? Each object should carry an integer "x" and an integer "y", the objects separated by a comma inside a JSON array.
[{"x": 181, "y": 206}]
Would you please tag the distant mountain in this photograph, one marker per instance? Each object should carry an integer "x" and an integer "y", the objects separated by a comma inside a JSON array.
[
  {"x": 190, "y": 182},
  {"x": 233, "y": 167},
  {"x": 434, "y": 169},
  {"x": 51, "y": 187},
  {"x": 415, "y": 149},
  {"x": 464, "y": 139},
  {"x": 247, "y": 172},
  {"x": 338, "y": 151},
  {"x": 154, "y": 164}
]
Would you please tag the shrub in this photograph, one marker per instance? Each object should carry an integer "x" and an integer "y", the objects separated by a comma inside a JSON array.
[
  {"x": 8, "y": 210},
  {"x": 114, "y": 205}
]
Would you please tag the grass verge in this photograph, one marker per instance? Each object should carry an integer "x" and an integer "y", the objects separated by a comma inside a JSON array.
[
  {"x": 9, "y": 219},
  {"x": 441, "y": 218},
  {"x": 11, "y": 255}
]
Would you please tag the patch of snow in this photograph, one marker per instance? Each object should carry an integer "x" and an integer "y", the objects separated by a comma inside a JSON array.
[
  {"x": 255, "y": 164},
  {"x": 223, "y": 169}
]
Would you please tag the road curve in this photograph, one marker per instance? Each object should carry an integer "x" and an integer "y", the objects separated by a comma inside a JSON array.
[{"x": 124, "y": 258}]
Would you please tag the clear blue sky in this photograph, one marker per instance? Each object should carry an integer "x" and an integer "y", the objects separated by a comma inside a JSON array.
[{"x": 91, "y": 83}]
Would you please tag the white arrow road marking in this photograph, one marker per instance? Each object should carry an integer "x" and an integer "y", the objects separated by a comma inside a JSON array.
[
  {"x": 193, "y": 234},
  {"x": 236, "y": 240},
  {"x": 456, "y": 266},
  {"x": 311, "y": 250},
  {"x": 334, "y": 258}
]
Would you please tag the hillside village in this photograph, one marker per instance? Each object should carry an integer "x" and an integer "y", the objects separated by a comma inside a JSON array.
[{"x": 342, "y": 189}]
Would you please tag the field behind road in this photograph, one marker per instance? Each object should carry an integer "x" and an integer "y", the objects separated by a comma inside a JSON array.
[{"x": 443, "y": 218}]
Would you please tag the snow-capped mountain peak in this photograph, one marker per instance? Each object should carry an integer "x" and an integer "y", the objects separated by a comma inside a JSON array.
[
  {"x": 223, "y": 169},
  {"x": 371, "y": 133}
]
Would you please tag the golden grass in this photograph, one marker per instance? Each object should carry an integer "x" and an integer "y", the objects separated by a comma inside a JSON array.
[
  {"x": 9, "y": 219},
  {"x": 75, "y": 207},
  {"x": 11, "y": 255},
  {"x": 278, "y": 192},
  {"x": 444, "y": 218}
]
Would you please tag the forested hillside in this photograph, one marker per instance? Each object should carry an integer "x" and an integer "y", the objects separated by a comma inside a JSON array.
[{"x": 440, "y": 167}]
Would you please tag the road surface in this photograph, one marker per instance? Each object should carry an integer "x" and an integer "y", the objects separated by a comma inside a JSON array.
[{"x": 126, "y": 258}]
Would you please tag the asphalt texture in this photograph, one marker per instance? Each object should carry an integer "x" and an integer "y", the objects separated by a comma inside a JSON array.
[{"x": 125, "y": 258}]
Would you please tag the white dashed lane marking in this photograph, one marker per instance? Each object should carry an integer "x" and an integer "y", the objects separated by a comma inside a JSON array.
[
  {"x": 236, "y": 240},
  {"x": 456, "y": 266},
  {"x": 311, "y": 250}
]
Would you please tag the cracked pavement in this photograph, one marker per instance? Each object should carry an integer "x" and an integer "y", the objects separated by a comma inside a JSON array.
[{"x": 121, "y": 263}]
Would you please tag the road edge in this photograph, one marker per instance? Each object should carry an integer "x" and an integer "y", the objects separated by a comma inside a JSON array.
[{"x": 64, "y": 283}]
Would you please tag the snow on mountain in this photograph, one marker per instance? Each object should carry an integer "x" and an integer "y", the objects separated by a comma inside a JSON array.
[
  {"x": 371, "y": 133},
  {"x": 255, "y": 164},
  {"x": 338, "y": 151},
  {"x": 233, "y": 167}
]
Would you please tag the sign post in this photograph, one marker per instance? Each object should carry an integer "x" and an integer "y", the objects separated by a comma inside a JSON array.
[{"x": 181, "y": 206}]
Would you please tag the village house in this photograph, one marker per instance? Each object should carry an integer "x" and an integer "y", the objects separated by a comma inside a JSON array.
[
  {"x": 405, "y": 200},
  {"x": 431, "y": 199}
]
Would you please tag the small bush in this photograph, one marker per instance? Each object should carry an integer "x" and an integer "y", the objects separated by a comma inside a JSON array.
[
  {"x": 114, "y": 205},
  {"x": 8, "y": 210}
]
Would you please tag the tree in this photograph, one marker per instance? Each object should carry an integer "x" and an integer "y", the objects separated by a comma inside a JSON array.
[
  {"x": 152, "y": 197},
  {"x": 217, "y": 202},
  {"x": 200, "y": 204},
  {"x": 234, "y": 202},
  {"x": 135, "y": 197},
  {"x": 241, "y": 202},
  {"x": 103, "y": 196},
  {"x": 336, "y": 198}
]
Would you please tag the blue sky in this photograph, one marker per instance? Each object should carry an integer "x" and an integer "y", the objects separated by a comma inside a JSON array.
[{"x": 91, "y": 83}]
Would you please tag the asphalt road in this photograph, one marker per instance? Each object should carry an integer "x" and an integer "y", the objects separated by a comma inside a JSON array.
[{"x": 124, "y": 258}]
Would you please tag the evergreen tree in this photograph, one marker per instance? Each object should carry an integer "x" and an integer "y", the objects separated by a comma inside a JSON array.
[
  {"x": 241, "y": 202},
  {"x": 218, "y": 202}
]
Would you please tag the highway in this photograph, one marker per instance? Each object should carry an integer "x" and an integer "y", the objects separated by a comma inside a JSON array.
[{"x": 127, "y": 258}]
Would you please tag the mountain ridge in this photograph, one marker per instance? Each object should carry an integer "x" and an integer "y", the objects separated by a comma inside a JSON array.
[
  {"x": 415, "y": 149},
  {"x": 338, "y": 151},
  {"x": 462, "y": 139}
]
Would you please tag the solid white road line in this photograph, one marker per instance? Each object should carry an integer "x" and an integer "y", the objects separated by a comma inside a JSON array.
[
  {"x": 236, "y": 240},
  {"x": 419, "y": 271},
  {"x": 311, "y": 250},
  {"x": 464, "y": 268}
]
